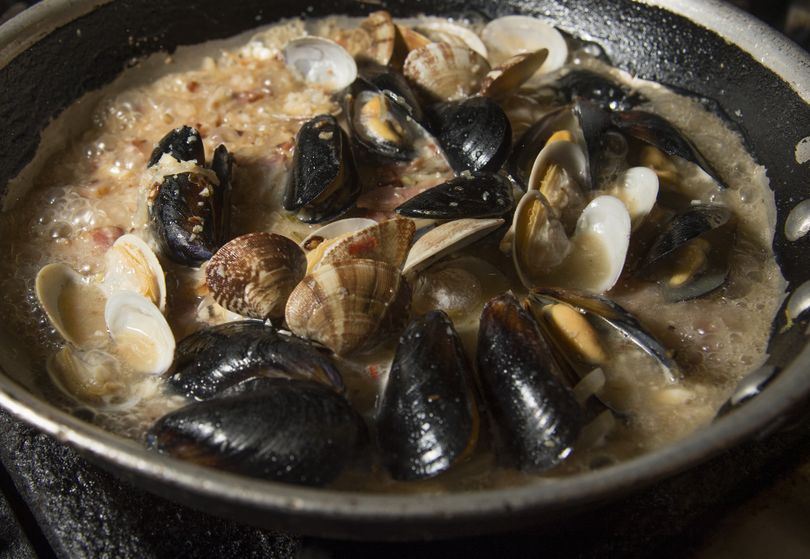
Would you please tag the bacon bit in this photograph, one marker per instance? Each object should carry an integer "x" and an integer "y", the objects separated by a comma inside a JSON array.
[
  {"x": 373, "y": 371},
  {"x": 363, "y": 246},
  {"x": 287, "y": 146},
  {"x": 104, "y": 237},
  {"x": 192, "y": 86}
]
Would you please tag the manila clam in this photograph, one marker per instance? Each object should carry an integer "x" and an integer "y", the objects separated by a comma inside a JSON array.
[
  {"x": 511, "y": 35},
  {"x": 253, "y": 275},
  {"x": 349, "y": 305},
  {"x": 445, "y": 72},
  {"x": 427, "y": 418},
  {"x": 132, "y": 266},
  {"x": 321, "y": 62},
  {"x": 140, "y": 334},
  {"x": 72, "y": 303}
]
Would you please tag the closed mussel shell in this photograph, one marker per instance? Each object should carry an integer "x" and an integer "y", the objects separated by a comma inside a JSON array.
[
  {"x": 219, "y": 357},
  {"x": 473, "y": 195},
  {"x": 298, "y": 432},
  {"x": 253, "y": 275},
  {"x": 427, "y": 419},
  {"x": 349, "y": 305},
  {"x": 475, "y": 134},
  {"x": 322, "y": 179},
  {"x": 536, "y": 418},
  {"x": 183, "y": 143}
]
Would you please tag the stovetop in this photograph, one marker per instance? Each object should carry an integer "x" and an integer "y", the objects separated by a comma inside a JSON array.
[{"x": 56, "y": 504}]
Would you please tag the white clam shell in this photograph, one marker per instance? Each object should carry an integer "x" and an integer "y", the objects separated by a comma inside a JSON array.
[
  {"x": 72, "y": 304},
  {"x": 142, "y": 337},
  {"x": 511, "y": 35},
  {"x": 321, "y": 61},
  {"x": 638, "y": 189},
  {"x": 445, "y": 239},
  {"x": 441, "y": 31},
  {"x": 133, "y": 266}
]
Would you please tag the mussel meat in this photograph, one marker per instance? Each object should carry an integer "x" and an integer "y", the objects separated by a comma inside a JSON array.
[
  {"x": 293, "y": 431},
  {"x": 215, "y": 358},
  {"x": 427, "y": 419}
]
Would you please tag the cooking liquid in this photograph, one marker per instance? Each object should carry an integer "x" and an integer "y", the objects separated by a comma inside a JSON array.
[{"x": 87, "y": 193}]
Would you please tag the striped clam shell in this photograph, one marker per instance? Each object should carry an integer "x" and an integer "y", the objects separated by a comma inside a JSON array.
[
  {"x": 387, "y": 241},
  {"x": 253, "y": 275},
  {"x": 382, "y": 31},
  {"x": 349, "y": 305},
  {"x": 447, "y": 72}
]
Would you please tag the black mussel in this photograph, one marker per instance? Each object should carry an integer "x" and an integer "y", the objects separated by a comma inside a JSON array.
[
  {"x": 183, "y": 143},
  {"x": 322, "y": 183},
  {"x": 394, "y": 85},
  {"x": 601, "y": 90},
  {"x": 293, "y": 431},
  {"x": 690, "y": 257},
  {"x": 536, "y": 417},
  {"x": 468, "y": 195},
  {"x": 213, "y": 359},
  {"x": 222, "y": 164},
  {"x": 658, "y": 132},
  {"x": 427, "y": 419},
  {"x": 475, "y": 134},
  {"x": 184, "y": 218}
]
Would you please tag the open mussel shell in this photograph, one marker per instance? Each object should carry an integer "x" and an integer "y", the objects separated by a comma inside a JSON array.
[
  {"x": 475, "y": 134},
  {"x": 141, "y": 335},
  {"x": 446, "y": 239},
  {"x": 322, "y": 183},
  {"x": 349, "y": 305},
  {"x": 183, "y": 143},
  {"x": 660, "y": 133},
  {"x": 427, "y": 418},
  {"x": 395, "y": 86},
  {"x": 253, "y": 275},
  {"x": 321, "y": 62},
  {"x": 132, "y": 266},
  {"x": 511, "y": 35},
  {"x": 444, "y": 72},
  {"x": 470, "y": 195},
  {"x": 218, "y": 357},
  {"x": 584, "y": 84},
  {"x": 690, "y": 257},
  {"x": 292, "y": 431},
  {"x": 536, "y": 418},
  {"x": 73, "y": 305},
  {"x": 380, "y": 125},
  {"x": 603, "y": 315},
  {"x": 387, "y": 241}
]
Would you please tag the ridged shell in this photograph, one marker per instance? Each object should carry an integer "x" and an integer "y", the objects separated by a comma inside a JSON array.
[
  {"x": 253, "y": 275},
  {"x": 443, "y": 31},
  {"x": 387, "y": 241},
  {"x": 383, "y": 33},
  {"x": 349, "y": 305},
  {"x": 447, "y": 72},
  {"x": 510, "y": 35}
]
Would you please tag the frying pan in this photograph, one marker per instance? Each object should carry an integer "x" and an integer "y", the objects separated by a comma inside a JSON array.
[{"x": 61, "y": 49}]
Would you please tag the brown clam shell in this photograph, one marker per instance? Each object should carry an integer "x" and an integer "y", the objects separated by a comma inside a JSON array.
[
  {"x": 387, "y": 241},
  {"x": 446, "y": 72},
  {"x": 349, "y": 305},
  {"x": 253, "y": 275},
  {"x": 380, "y": 27}
]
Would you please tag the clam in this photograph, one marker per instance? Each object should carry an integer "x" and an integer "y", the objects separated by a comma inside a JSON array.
[
  {"x": 132, "y": 266},
  {"x": 637, "y": 188},
  {"x": 445, "y": 72},
  {"x": 446, "y": 239},
  {"x": 316, "y": 243},
  {"x": 322, "y": 182},
  {"x": 321, "y": 62},
  {"x": 592, "y": 259},
  {"x": 141, "y": 336},
  {"x": 506, "y": 78},
  {"x": 475, "y": 134},
  {"x": 349, "y": 305},
  {"x": 94, "y": 376},
  {"x": 216, "y": 358},
  {"x": 473, "y": 195},
  {"x": 73, "y": 304},
  {"x": 590, "y": 331},
  {"x": 253, "y": 275},
  {"x": 380, "y": 27},
  {"x": 690, "y": 257},
  {"x": 536, "y": 418},
  {"x": 443, "y": 31},
  {"x": 412, "y": 39},
  {"x": 511, "y": 35},
  {"x": 276, "y": 429},
  {"x": 387, "y": 241},
  {"x": 427, "y": 419}
]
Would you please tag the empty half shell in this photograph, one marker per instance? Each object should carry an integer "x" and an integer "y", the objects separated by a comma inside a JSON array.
[
  {"x": 321, "y": 62},
  {"x": 73, "y": 304},
  {"x": 253, "y": 275},
  {"x": 133, "y": 266},
  {"x": 140, "y": 333},
  {"x": 349, "y": 305},
  {"x": 511, "y": 35}
]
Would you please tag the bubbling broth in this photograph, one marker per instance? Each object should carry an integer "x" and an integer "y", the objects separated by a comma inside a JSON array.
[{"x": 101, "y": 314}]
